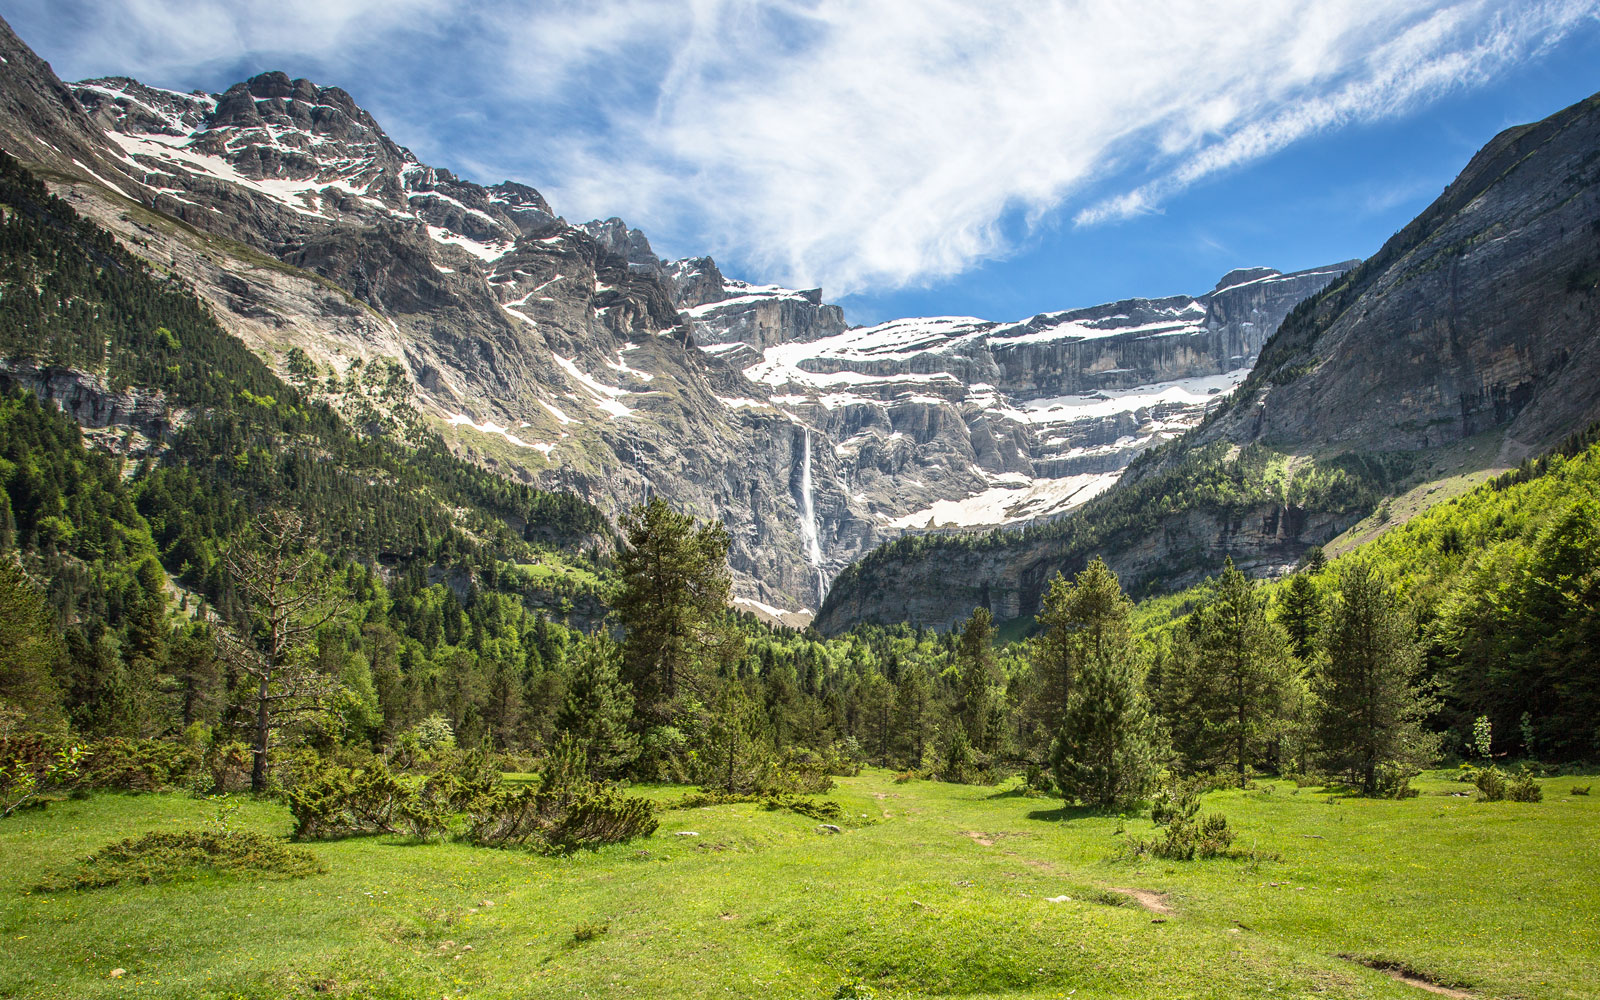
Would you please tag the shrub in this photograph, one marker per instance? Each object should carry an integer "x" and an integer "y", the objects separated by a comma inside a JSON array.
[
  {"x": 229, "y": 766},
  {"x": 32, "y": 765},
  {"x": 1188, "y": 835},
  {"x": 170, "y": 856},
  {"x": 1523, "y": 787},
  {"x": 340, "y": 801},
  {"x": 1580, "y": 789},
  {"x": 1491, "y": 782},
  {"x": 139, "y": 765},
  {"x": 818, "y": 809},
  {"x": 588, "y": 931},
  {"x": 1394, "y": 781}
]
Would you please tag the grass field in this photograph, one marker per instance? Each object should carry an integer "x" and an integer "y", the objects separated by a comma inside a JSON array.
[{"x": 931, "y": 889}]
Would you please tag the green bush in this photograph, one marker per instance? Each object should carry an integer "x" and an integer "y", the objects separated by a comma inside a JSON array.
[
  {"x": 341, "y": 801},
  {"x": 818, "y": 809},
  {"x": 139, "y": 765},
  {"x": 1523, "y": 787},
  {"x": 171, "y": 856},
  {"x": 1491, "y": 782},
  {"x": 1580, "y": 789},
  {"x": 1394, "y": 781},
  {"x": 1188, "y": 835}
]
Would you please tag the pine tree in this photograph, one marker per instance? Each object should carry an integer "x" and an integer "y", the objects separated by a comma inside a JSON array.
[
  {"x": 1105, "y": 752},
  {"x": 1236, "y": 683},
  {"x": 737, "y": 751},
  {"x": 30, "y": 650},
  {"x": 977, "y": 679},
  {"x": 289, "y": 600},
  {"x": 598, "y": 708},
  {"x": 1369, "y": 709},
  {"x": 1078, "y": 622},
  {"x": 914, "y": 712},
  {"x": 672, "y": 605},
  {"x": 1300, "y": 614}
]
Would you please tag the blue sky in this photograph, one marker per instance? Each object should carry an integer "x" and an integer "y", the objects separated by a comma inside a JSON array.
[{"x": 981, "y": 157}]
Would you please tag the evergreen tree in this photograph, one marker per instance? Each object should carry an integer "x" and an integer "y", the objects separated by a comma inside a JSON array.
[
  {"x": 914, "y": 713},
  {"x": 598, "y": 708},
  {"x": 878, "y": 710},
  {"x": 737, "y": 749},
  {"x": 672, "y": 604},
  {"x": 1105, "y": 751},
  {"x": 30, "y": 650},
  {"x": 1236, "y": 682},
  {"x": 1300, "y": 614},
  {"x": 1369, "y": 710},
  {"x": 977, "y": 679},
  {"x": 1079, "y": 622}
]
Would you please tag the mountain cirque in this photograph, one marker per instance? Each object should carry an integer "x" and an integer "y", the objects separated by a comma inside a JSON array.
[{"x": 571, "y": 356}]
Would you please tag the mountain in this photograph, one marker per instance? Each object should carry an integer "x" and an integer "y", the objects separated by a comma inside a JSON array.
[
  {"x": 571, "y": 357},
  {"x": 1465, "y": 345}
]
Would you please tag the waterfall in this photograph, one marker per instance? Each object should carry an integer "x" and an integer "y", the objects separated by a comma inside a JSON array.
[{"x": 808, "y": 522}]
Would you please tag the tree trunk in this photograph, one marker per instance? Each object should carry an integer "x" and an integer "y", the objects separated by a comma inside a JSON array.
[{"x": 258, "y": 769}]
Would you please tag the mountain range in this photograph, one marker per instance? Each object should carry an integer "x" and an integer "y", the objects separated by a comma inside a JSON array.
[{"x": 1269, "y": 414}]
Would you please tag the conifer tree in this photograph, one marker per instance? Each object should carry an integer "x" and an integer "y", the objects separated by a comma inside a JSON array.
[
  {"x": 1105, "y": 752},
  {"x": 1300, "y": 614},
  {"x": 289, "y": 598},
  {"x": 977, "y": 679},
  {"x": 1368, "y": 708},
  {"x": 598, "y": 708},
  {"x": 1236, "y": 683},
  {"x": 30, "y": 649},
  {"x": 913, "y": 699},
  {"x": 672, "y": 605}
]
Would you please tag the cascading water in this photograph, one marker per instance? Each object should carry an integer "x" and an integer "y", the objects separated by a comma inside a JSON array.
[{"x": 808, "y": 522}]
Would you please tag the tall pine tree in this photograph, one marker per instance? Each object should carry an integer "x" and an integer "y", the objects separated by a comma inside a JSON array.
[{"x": 1369, "y": 709}]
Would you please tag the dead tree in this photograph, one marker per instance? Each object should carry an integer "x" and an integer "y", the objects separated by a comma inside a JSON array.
[{"x": 289, "y": 598}]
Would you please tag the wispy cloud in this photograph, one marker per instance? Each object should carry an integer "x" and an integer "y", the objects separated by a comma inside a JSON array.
[{"x": 864, "y": 144}]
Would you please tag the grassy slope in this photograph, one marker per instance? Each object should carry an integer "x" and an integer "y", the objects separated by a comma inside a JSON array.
[{"x": 1497, "y": 897}]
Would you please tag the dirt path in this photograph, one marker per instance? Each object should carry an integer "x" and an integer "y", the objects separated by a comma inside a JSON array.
[
  {"x": 1155, "y": 902},
  {"x": 1410, "y": 978}
]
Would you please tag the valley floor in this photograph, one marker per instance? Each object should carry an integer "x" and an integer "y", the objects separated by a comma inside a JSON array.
[{"x": 931, "y": 889}]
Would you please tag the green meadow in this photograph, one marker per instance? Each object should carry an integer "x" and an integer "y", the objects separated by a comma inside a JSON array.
[{"x": 930, "y": 889}]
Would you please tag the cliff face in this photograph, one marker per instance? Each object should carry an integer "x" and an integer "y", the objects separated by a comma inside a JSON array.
[{"x": 1482, "y": 317}]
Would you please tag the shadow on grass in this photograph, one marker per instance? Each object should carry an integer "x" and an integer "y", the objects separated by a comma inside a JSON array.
[{"x": 1065, "y": 812}]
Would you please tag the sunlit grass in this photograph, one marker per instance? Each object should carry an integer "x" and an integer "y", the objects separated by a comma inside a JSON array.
[{"x": 1496, "y": 897}]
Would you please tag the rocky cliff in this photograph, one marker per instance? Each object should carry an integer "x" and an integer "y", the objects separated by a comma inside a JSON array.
[{"x": 1480, "y": 322}]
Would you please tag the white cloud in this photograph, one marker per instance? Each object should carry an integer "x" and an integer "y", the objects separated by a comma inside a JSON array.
[
  {"x": 854, "y": 143},
  {"x": 858, "y": 144}
]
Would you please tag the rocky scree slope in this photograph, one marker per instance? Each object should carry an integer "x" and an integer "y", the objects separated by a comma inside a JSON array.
[
  {"x": 572, "y": 357},
  {"x": 1475, "y": 327}
]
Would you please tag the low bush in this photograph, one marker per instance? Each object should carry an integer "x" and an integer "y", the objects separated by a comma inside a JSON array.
[
  {"x": 32, "y": 766},
  {"x": 588, "y": 931},
  {"x": 1188, "y": 835},
  {"x": 139, "y": 765},
  {"x": 1580, "y": 789},
  {"x": 562, "y": 811},
  {"x": 1491, "y": 782},
  {"x": 1394, "y": 781},
  {"x": 1524, "y": 788},
  {"x": 173, "y": 856},
  {"x": 818, "y": 809},
  {"x": 341, "y": 801}
]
